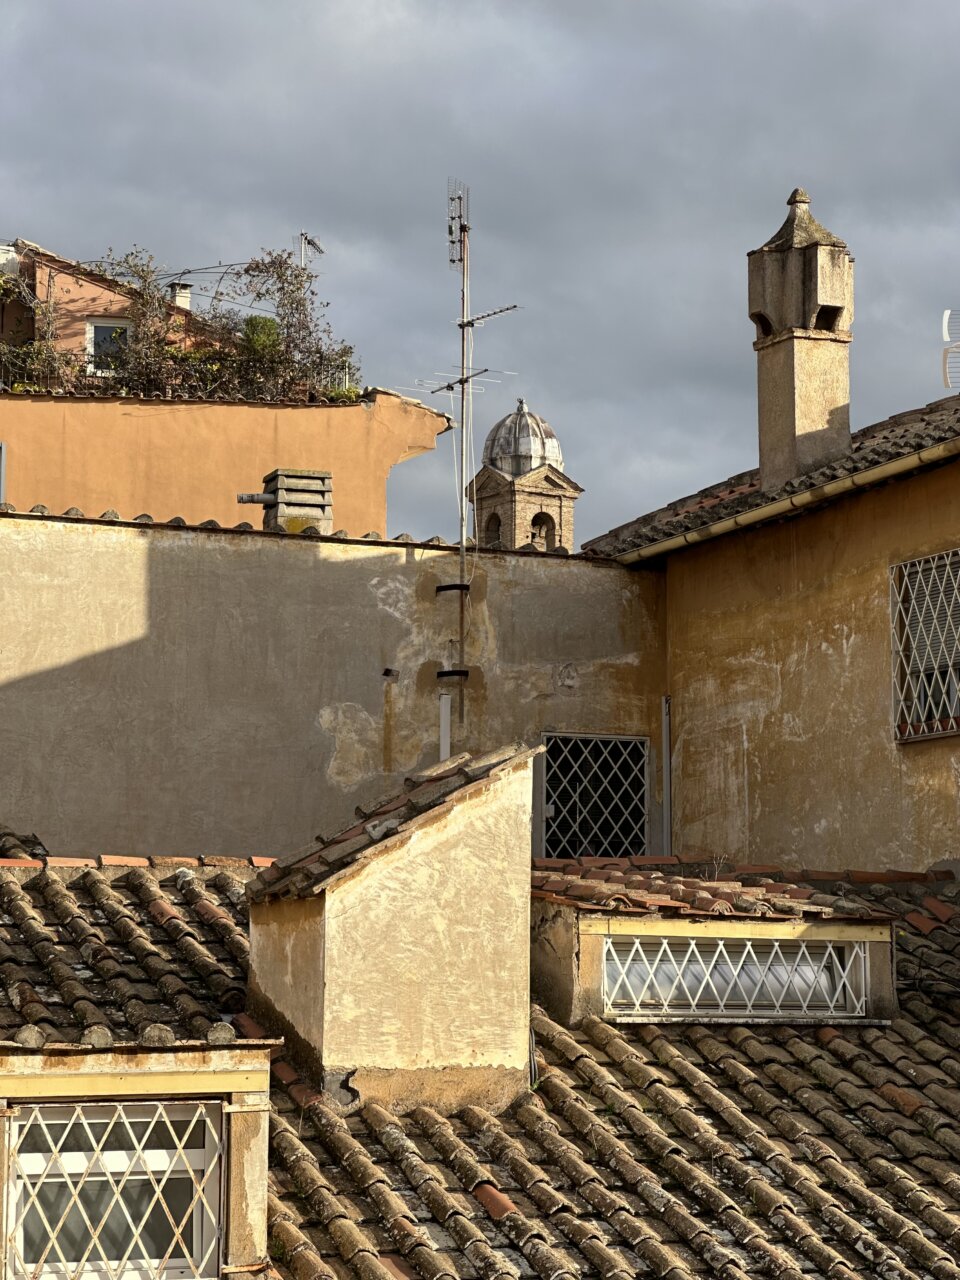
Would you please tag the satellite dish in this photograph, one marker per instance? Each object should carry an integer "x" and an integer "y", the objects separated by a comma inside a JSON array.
[{"x": 951, "y": 353}]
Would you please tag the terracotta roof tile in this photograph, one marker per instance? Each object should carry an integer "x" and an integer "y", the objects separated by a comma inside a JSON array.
[
  {"x": 675, "y": 1151},
  {"x": 306, "y": 871},
  {"x": 621, "y": 886}
]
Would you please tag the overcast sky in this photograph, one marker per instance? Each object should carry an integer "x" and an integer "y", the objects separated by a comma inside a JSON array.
[{"x": 623, "y": 157}]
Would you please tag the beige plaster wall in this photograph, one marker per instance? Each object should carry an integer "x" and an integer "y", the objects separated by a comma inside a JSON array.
[
  {"x": 285, "y": 984},
  {"x": 780, "y": 671},
  {"x": 170, "y": 458},
  {"x": 168, "y": 690},
  {"x": 428, "y": 954}
]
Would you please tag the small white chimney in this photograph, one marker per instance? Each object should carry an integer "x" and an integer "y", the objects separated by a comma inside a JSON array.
[{"x": 180, "y": 294}]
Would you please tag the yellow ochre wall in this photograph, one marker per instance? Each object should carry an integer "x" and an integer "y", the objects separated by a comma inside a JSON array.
[
  {"x": 779, "y": 660},
  {"x": 180, "y": 458}
]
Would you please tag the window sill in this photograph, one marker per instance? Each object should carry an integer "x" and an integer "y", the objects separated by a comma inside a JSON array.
[{"x": 918, "y": 731}]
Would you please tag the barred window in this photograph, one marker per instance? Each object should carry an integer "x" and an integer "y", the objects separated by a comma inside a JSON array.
[
  {"x": 594, "y": 796},
  {"x": 734, "y": 977},
  {"x": 112, "y": 1190},
  {"x": 925, "y": 605}
]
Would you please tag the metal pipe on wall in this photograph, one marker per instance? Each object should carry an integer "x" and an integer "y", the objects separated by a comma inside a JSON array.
[{"x": 667, "y": 768}]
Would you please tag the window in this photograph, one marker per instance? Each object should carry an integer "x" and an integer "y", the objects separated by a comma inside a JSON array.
[
  {"x": 114, "y": 1190},
  {"x": 594, "y": 796},
  {"x": 925, "y": 604},
  {"x": 543, "y": 532},
  {"x": 106, "y": 340},
  {"x": 491, "y": 531},
  {"x": 738, "y": 977}
]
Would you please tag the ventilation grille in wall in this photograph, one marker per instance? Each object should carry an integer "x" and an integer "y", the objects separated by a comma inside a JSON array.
[
  {"x": 925, "y": 605},
  {"x": 734, "y": 977},
  {"x": 595, "y": 796}
]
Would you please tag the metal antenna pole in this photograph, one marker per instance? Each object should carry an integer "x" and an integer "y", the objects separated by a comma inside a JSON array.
[
  {"x": 464, "y": 393},
  {"x": 458, "y": 243}
]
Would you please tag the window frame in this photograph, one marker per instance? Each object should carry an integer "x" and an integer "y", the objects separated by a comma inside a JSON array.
[
  {"x": 917, "y": 687},
  {"x": 26, "y": 1172},
  {"x": 93, "y": 323},
  {"x": 542, "y": 804}
]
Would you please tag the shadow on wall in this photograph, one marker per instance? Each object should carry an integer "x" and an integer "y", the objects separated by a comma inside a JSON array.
[{"x": 201, "y": 693}]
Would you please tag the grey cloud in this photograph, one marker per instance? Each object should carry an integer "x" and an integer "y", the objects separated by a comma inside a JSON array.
[{"x": 623, "y": 158}]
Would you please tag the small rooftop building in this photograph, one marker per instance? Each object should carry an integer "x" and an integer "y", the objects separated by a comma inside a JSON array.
[{"x": 520, "y": 496}]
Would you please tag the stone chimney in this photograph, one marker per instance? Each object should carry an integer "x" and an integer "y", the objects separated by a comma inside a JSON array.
[
  {"x": 298, "y": 500},
  {"x": 180, "y": 294},
  {"x": 801, "y": 301},
  {"x": 394, "y": 958}
]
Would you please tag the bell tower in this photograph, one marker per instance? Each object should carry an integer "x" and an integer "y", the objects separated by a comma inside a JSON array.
[
  {"x": 521, "y": 496},
  {"x": 801, "y": 301}
]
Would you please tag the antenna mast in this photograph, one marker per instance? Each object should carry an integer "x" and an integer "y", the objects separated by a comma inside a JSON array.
[{"x": 458, "y": 243}]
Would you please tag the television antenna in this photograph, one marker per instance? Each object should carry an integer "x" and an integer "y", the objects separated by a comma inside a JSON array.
[
  {"x": 309, "y": 248},
  {"x": 951, "y": 353},
  {"x": 458, "y": 247}
]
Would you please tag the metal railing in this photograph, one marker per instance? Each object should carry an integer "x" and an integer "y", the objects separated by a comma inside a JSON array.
[
  {"x": 114, "y": 1190},
  {"x": 595, "y": 796},
  {"x": 925, "y": 610},
  {"x": 732, "y": 978}
]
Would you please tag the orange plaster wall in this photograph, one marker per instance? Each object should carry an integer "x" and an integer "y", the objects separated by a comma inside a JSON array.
[
  {"x": 190, "y": 459},
  {"x": 76, "y": 299}
]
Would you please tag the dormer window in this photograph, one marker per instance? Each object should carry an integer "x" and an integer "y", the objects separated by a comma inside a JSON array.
[{"x": 619, "y": 939}]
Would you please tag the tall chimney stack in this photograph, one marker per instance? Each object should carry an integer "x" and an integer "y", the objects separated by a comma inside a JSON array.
[{"x": 801, "y": 301}]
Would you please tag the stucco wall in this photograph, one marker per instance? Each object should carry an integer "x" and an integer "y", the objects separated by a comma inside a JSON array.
[
  {"x": 780, "y": 671},
  {"x": 428, "y": 945},
  {"x": 285, "y": 984},
  {"x": 408, "y": 980},
  {"x": 168, "y": 690},
  {"x": 76, "y": 299},
  {"x": 172, "y": 458}
]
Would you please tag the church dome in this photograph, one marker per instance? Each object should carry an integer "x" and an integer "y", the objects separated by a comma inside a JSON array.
[{"x": 521, "y": 442}]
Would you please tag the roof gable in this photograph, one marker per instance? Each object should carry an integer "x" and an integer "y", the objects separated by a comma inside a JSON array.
[{"x": 386, "y": 825}]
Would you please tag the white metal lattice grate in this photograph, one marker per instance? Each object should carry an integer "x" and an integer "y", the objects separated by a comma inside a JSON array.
[
  {"x": 925, "y": 607},
  {"x": 595, "y": 796},
  {"x": 113, "y": 1190},
  {"x": 732, "y": 977}
]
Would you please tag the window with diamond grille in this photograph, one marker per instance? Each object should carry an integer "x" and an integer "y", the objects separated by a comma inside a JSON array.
[
  {"x": 733, "y": 977},
  {"x": 595, "y": 796},
  {"x": 925, "y": 602},
  {"x": 113, "y": 1190}
]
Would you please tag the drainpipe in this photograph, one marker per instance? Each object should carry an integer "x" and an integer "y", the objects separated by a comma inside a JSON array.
[
  {"x": 784, "y": 506},
  {"x": 667, "y": 767}
]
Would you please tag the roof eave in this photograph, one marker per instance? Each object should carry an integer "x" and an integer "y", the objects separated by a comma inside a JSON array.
[{"x": 796, "y": 502}]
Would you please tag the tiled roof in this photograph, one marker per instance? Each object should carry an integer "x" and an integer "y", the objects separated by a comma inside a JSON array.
[
  {"x": 307, "y": 871},
  {"x": 102, "y": 951},
  {"x": 658, "y": 886},
  {"x": 896, "y": 437},
  {"x": 674, "y": 1151}
]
